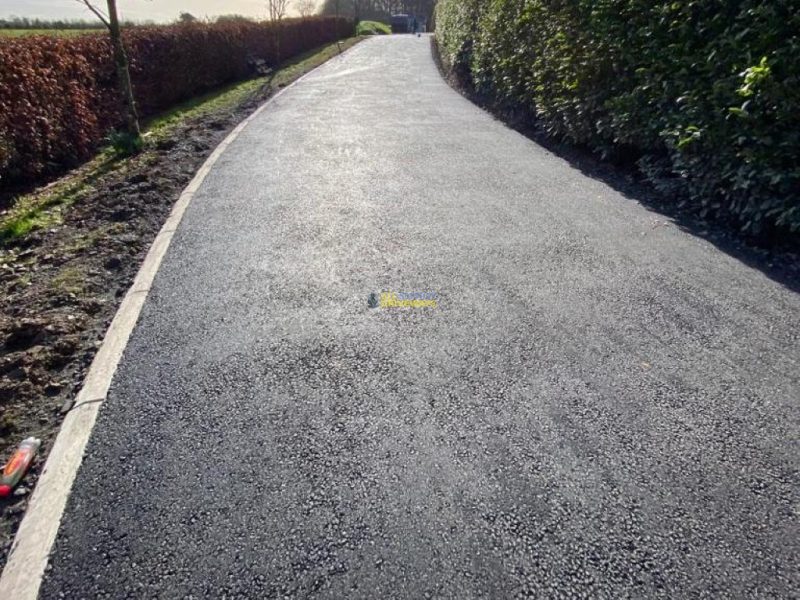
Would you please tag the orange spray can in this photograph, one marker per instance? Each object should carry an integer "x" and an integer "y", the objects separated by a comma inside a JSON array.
[{"x": 16, "y": 468}]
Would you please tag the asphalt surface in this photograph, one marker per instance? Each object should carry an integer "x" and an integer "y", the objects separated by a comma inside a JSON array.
[{"x": 602, "y": 405}]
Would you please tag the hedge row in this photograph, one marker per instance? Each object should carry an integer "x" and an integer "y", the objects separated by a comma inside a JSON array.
[
  {"x": 58, "y": 96},
  {"x": 704, "y": 95}
]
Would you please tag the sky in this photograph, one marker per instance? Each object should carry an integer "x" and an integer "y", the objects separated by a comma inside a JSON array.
[{"x": 136, "y": 10}]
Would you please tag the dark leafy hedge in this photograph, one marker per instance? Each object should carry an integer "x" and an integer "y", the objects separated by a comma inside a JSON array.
[
  {"x": 704, "y": 95},
  {"x": 58, "y": 96}
]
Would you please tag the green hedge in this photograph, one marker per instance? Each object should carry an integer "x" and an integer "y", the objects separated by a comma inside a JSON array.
[
  {"x": 372, "y": 28},
  {"x": 703, "y": 95}
]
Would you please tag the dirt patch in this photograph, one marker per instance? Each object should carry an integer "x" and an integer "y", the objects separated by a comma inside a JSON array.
[{"x": 63, "y": 284}]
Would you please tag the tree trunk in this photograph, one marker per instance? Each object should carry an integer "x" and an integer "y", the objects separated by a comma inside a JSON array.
[
  {"x": 338, "y": 41},
  {"x": 123, "y": 73}
]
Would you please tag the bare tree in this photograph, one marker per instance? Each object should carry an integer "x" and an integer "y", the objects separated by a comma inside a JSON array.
[
  {"x": 111, "y": 21},
  {"x": 305, "y": 8},
  {"x": 277, "y": 9},
  {"x": 338, "y": 41}
]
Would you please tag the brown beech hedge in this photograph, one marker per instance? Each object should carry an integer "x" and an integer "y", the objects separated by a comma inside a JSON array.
[{"x": 58, "y": 97}]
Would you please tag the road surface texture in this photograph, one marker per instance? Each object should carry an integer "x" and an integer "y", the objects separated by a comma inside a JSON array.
[{"x": 602, "y": 404}]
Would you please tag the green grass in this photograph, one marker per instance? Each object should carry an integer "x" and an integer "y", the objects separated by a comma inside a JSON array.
[
  {"x": 373, "y": 28},
  {"x": 227, "y": 97},
  {"x": 39, "y": 212},
  {"x": 69, "y": 280},
  {"x": 45, "y": 208},
  {"x": 54, "y": 32},
  {"x": 94, "y": 237}
]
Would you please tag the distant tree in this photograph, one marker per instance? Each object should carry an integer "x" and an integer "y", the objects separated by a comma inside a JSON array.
[
  {"x": 15, "y": 22},
  {"x": 305, "y": 8},
  {"x": 232, "y": 18},
  {"x": 187, "y": 18},
  {"x": 277, "y": 9},
  {"x": 111, "y": 21},
  {"x": 379, "y": 10}
]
